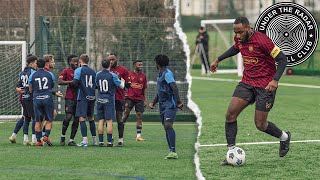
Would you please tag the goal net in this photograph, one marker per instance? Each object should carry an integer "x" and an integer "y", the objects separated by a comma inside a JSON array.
[
  {"x": 12, "y": 58},
  {"x": 221, "y": 38}
]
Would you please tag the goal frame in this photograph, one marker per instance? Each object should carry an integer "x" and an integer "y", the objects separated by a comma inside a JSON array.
[
  {"x": 214, "y": 23},
  {"x": 23, "y": 65}
]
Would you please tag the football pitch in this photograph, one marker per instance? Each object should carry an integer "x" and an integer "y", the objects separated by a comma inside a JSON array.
[
  {"x": 136, "y": 160},
  {"x": 296, "y": 109}
]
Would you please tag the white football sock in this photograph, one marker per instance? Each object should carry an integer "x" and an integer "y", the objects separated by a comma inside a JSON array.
[
  {"x": 25, "y": 138},
  {"x": 85, "y": 140},
  {"x": 34, "y": 138},
  {"x": 284, "y": 136},
  {"x": 14, "y": 135}
]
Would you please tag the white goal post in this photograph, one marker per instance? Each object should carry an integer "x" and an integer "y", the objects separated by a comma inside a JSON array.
[
  {"x": 13, "y": 59},
  {"x": 227, "y": 44}
]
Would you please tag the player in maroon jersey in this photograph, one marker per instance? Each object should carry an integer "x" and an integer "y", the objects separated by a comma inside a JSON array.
[
  {"x": 136, "y": 96},
  {"x": 122, "y": 73},
  {"x": 259, "y": 82},
  {"x": 66, "y": 78}
]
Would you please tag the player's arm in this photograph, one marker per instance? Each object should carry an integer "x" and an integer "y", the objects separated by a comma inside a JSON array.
[
  {"x": 145, "y": 95},
  {"x": 55, "y": 93},
  {"x": 169, "y": 78},
  {"x": 76, "y": 79},
  {"x": 281, "y": 58},
  {"x": 127, "y": 79},
  {"x": 230, "y": 52},
  {"x": 120, "y": 83},
  {"x": 19, "y": 86},
  {"x": 154, "y": 102},
  {"x": 269, "y": 48},
  {"x": 175, "y": 92},
  {"x": 61, "y": 79},
  {"x": 30, "y": 83}
]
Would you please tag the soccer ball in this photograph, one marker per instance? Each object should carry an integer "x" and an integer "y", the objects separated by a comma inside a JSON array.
[{"x": 236, "y": 156}]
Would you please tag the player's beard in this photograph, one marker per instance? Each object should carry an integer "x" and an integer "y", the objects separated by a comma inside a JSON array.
[
  {"x": 138, "y": 70},
  {"x": 246, "y": 37},
  {"x": 74, "y": 67}
]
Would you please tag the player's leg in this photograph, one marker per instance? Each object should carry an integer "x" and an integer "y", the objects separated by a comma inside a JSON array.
[
  {"x": 108, "y": 116},
  {"x": 65, "y": 125},
  {"x": 17, "y": 128},
  {"x": 49, "y": 116},
  {"x": 74, "y": 130},
  {"x": 66, "y": 120},
  {"x": 162, "y": 117},
  {"x": 169, "y": 117},
  {"x": 127, "y": 109},
  {"x": 139, "y": 107},
  {"x": 75, "y": 124},
  {"x": 45, "y": 122},
  {"x": 243, "y": 95},
  {"x": 31, "y": 114},
  {"x": 109, "y": 132},
  {"x": 91, "y": 122},
  {"x": 34, "y": 137},
  {"x": 231, "y": 128},
  {"x": 100, "y": 116},
  {"x": 119, "y": 113},
  {"x": 264, "y": 103},
  {"x": 26, "y": 123},
  {"x": 81, "y": 112},
  {"x": 100, "y": 131},
  {"x": 38, "y": 111},
  {"x": 27, "y": 113}
]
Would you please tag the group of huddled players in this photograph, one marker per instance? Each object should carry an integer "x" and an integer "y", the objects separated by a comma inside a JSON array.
[{"x": 119, "y": 90}]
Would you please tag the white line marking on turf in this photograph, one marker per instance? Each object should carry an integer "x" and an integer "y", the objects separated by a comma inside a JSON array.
[
  {"x": 259, "y": 143},
  {"x": 193, "y": 106},
  {"x": 237, "y": 80}
]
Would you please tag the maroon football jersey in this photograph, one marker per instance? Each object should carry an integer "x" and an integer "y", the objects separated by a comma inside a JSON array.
[
  {"x": 122, "y": 72},
  {"x": 138, "y": 85},
  {"x": 67, "y": 75},
  {"x": 258, "y": 55}
]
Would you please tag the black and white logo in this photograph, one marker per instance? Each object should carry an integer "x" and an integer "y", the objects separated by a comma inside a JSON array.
[{"x": 292, "y": 28}]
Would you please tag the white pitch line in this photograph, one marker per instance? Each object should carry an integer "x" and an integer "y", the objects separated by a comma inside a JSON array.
[
  {"x": 259, "y": 143},
  {"x": 237, "y": 80}
]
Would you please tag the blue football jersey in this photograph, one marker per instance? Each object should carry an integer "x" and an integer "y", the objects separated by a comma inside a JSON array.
[
  {"x": 165, "y": 95},
  {"x": 42, "y": 82},
  {"x": 23, "y": 82},
  {"x": 87, "y": 86},
  {"x": 106, "y": 82}
]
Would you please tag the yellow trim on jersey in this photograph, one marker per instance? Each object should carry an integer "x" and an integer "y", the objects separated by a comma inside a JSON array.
[{"x": 275, "y": 51}]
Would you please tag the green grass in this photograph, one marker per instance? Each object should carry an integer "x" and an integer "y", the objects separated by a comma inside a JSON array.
[
  {"x": 296, "y": 109},
  {"x": 135, "y": 160}
]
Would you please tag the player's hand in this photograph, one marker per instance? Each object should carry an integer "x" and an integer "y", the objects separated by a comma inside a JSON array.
[
  {"x": 144, "y": 103},
  {"x": 180, "y": 105},
  {"x": 20, "y": 90},
  {"x": 151, "y": 105},
  {"x": 59, "y": 94},
  {"x": 214, "y": 66},
  {"x": 122, "y": 80},
  {"x": 272, "y": 86}
]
